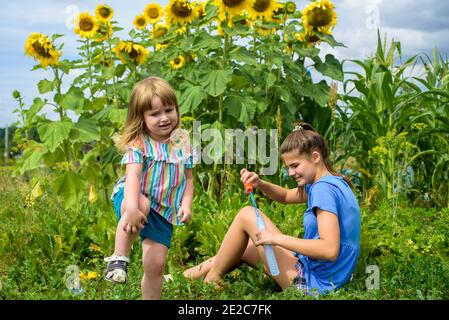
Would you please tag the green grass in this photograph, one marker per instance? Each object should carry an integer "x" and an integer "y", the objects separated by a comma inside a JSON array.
[{"x": 37, "y": 244}]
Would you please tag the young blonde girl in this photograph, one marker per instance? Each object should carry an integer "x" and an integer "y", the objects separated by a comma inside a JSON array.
[
  {"x": 327, "y": 255},
  {"x": 157, "y": 189}
]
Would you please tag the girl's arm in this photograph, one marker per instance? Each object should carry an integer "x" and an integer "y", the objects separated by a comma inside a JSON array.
[
  {"x": 327, "y": 247},
  {"x": 185, "y": 212},
  {"x": 273, "y": 191},
  {"x": 133, "y": 216},
  {"x": 188, "y": 192},
  {"x": 282, "y": 195}
]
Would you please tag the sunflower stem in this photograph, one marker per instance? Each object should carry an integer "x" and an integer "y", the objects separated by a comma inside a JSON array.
[
  {"x": 89, "y": 62},
  {"x": 60, "y": 110}
]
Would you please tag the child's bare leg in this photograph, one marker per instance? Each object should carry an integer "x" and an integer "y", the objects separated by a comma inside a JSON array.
[
  {"x": 123, "y": 239},
  {"x": 250, "y": 256},
  {"x": 233, "y": 246},
  {"x": 153, "y": 258}
]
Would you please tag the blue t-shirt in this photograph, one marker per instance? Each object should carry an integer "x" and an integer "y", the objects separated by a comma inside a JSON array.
[{"x": 332, "y": 194}]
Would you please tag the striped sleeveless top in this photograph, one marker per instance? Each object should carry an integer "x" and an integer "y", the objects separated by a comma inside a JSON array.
[{"x": 163, "y": 175}]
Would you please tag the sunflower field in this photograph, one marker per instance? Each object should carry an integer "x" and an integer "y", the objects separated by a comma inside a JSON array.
[{"x": 234, "y": 64}]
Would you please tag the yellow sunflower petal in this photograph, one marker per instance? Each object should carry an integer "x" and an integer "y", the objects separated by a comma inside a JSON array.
[
  {"x": 85, "y": 25},
  {"x": 228, "y": 9},
  {"x": 140, "y": 21},
  {"x": 153, "y": 12},
  {"x": 104, "y": 12},
  {"x": 320, "y": 15},
  {"x": 178, "y": 62},
  {"x": 41, "y": 48},
  {"x": 134, "y": 52},
  {"x": 262, "y": 9},
  {"x": 179, "y": 12}
]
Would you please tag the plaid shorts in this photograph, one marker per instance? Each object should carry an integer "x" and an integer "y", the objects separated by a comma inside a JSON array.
[{"x": 300, "y": 281}]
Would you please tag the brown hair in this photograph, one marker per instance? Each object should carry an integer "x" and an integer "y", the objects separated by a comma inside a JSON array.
[
  {"x": 304, "y": 139},
  {"x": 140, "y": 101}
]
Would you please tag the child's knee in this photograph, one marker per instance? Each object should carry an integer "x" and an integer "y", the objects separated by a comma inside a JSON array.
[{"x": 154, "y": 266}]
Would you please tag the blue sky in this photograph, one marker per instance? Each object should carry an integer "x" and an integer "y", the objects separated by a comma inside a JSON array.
[{"x": 419, "y": 25}]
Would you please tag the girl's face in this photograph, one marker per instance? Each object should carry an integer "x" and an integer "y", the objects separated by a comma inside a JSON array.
[
  {"x": 302, "y": 168},
  {"x": 160, "y": 120}
]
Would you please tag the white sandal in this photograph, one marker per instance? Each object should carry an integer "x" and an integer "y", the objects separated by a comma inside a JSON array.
[{"x": 117, "y": 269}]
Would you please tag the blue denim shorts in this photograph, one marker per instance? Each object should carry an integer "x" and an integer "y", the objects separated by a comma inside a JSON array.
[{"x": 157, "y": 228}]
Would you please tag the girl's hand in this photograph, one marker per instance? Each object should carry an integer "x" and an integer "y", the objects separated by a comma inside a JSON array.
[
  {"x": 250, "y": 177},
  {"x": 133, "y": 221},
  {"x": 184, "y": 214},
  {"x": 265, "y": 237}
]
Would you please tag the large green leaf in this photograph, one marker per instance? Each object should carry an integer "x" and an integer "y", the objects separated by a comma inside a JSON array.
[
  {"x": 317, "y": 91},
  {"x": 45, "y": 86},
  {"x": 206, "y": 41},
  {"x": 331, "y": 67},
  {"x": 241, "y": 54},
  {"x": 85, "y": 130},
  {"x": 53, "y": 133},
  {"x": 32, "y": 157},
  {"x": 215, "y": 81},
  {"x": 242, "y": 108},
  {"x": 70, "y": 187},
  {"x": 34, "y": 109},
  {"x": 72, "y": 100},
  {"x": 191, "y": 98}
]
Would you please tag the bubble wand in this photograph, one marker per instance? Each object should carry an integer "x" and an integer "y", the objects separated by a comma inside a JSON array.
[{"x": 268, "y": 249}]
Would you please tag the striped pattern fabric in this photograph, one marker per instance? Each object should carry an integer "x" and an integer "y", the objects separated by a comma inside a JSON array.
[{"x": 163, "y": 175}]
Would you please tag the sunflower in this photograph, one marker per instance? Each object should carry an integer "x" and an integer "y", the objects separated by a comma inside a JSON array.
[
  {"x": 140, "y": 21},
  {"x": 232, "y": 8},
  {"x": 278, "y": 14},
  {"x": 177, "y": 62},
  {"x": 135, "y": 52},
  {"x": 104, "y": 13},
  {"x": 308, "y": 38},
  {"x": 200, "y": 10},
  {"x": 262, "y": 9},
  {"x": 153, "y": 12},
  {"x": 265, "y": 31},
  {"x": 159, "y": 30},
  {"x": 320, "y": 15},
  {"x": 41, "y": 48},
  {"x": 104, "y": 60},
  {"x": 85, "y": 25},
  {"x": 180, "y": 12},
  {"x": 104, "y": 31},
  {"x": 290, "y": 7},
  {"x": 181, "y": 30},
  {"x": 162, "y": 45}
]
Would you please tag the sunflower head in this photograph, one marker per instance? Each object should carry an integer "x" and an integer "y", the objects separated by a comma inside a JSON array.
[
  {"x": 85, "y": 25},
  {"x": 320, "y": 15},
  {"x": 153, "y": 12},
  {"x": 278, "y": 13},
  {"x": 179, "y": 12},
  {"x": 177, "y": 62},
  {"x": 41, "y": 48},
  {"x": 200, "y": 10},
  {"x": 262, "y": 9},
  {"x": 104, "y": 31},
  {"x": 228, "y": 9},
  {"x": 308, "y": 38},
  {"x": 159, "y": 30},
  {"x": 140, "y": 21},
  {"x": 162, "y": 45},
  {"x": 127, "y": 50},
  {"x": 104, "y": 13},
  {"x": 290, "y": 7}
]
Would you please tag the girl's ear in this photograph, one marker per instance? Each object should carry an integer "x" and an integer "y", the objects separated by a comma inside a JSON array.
[{"x": 316, "y": 157}]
